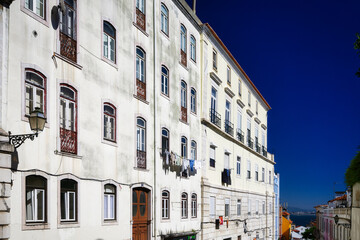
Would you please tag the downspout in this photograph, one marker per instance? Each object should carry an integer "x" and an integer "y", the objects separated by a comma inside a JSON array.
[{"x": 154, "y": 97}]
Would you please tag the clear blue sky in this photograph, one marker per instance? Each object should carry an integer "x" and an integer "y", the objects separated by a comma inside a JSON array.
[{"x": 300, "y": 56}]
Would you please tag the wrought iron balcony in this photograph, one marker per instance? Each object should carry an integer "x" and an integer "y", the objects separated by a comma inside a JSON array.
[
  {"x": 250, "y": 142},
  {"x": 240, "y": 135},
  {"x": 264, "y": 151},
  {"x": 229, "y": 128},
  {"x": 140, "y": 19},
  {"x": 257, "y": 147},
  {"x": 215, "y": 117},
  {"x": 183, "y": 58},
  {"x": 68, "y": 141},
  {"x": 68, "y": 47},
  {"x": 141, "y": 159},
  {"x": 141, "y": 89}
]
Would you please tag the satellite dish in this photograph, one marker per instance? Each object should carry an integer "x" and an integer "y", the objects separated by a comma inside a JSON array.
[{"x": 55, "y": 17}]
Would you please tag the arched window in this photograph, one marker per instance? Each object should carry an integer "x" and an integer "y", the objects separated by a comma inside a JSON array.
[
  {"x": 141, "y": 142},
  {"x": 183, "y": 147},
  {"x": 68, "y": 32},
  {"x": 36, "y": 194},
  {"x": 109, "y": 122},
  {"x": 165, "y": 140},
  {"x": 183, "y": 45},
  {"x": 109, "y": 39},
  {"x": 184, "y": 205},
  {"x": 164, "y": 80},
  {"x": 68, "y": 119},
  {"x": 164, "y": 19},
  {"x": 193, "y": 205},
  {"x": 140, "y": 14},
  {"x": 109, "y": 202},
  {"x": 165, "y": 214},
  {"x": 193, "y": 48},
  {"x": 193, "y": 100},
  {"x": 183, "y": 101},
  {"x": 68, "y": 200},
  {"x": 35, "y": 93},
  {"x": 193, "y": 150},
  {"x": 140, "y": 73}
]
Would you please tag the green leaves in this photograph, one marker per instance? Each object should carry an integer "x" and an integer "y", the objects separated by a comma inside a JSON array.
[{"x": 352, "y": 174}]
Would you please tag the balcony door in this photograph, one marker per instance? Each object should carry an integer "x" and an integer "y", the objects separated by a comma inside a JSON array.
[{"x": 213, "y": 99}]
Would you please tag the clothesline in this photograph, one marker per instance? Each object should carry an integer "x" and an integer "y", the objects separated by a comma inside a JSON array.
[{"x": 177, "y": 160}]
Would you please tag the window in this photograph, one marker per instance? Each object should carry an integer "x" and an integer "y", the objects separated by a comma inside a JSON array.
[
  {"x": 249, "y": 207},
  {"x": 68, "y": 44},
  {"x": 35, "y": 94},
  {"x": 36, "y": 6},
  {"x": 183, "y": 45},
  {"x": 257, "y": 207},
  {"x": 227, "y": 207},
  {"x": 109, "y": 39},
  {"x": 228, "y": 75},
  {"x": 165, "y": 205},
  {"x": 227, "y": 160},
  {"x": 35, "y": 199},
  {"x": 238, "y": 165},
  {"x": 263, "y": 174},
  {"x": 183, "y": 147},
  {"x": 270, "y": 208},
  {"x": 184, "y": 205},
  {"x": 192, "y": 48},
  {"x": 140, "y": 73},
  {"x": 257, "y": 106},
  {"x": 164, "y": 19},
  {"x": 164, "y": 140},
  {"x": 68, "y": 200},
  {"x": 141, "y": 142},
  {"x": 164, "y": 80},
  {"x": 249, "y": 140},
  {"x": 193, "y": 150},
  {"x": 183, "y": 101},
  {"x": 270, "y": 177},
  {"x": 212, "y": 207},
  {"x": 263, "y": 207},
  {"x": 238, "y": 207},
  {"x": 249, "y": 98},
  {"x": 109, "y": 122},
  {"x": 227, "y": 110},
  {"x": 68, "y": 119},
  {"x": 214, "y": 60},
  {"x": 248, "y": 169},
  {"x": 140, "y": 14},
  {"x": 193, "y": 100},
  {"x": 256, "y": 172},
  {"x": 194, "y": 205},
  {"x": 212, "y": 156},
  {"x": 239, "y": 87},
  {"x": 109, "y": 202}
]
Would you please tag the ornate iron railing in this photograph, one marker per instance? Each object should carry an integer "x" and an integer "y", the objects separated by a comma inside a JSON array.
[
  {"x": 229, "y": 128},
  {"x": 68, "y": 47},
  {"x": 183, "y": 114},
  {"x": 264, "y": 151},
  {"x": 215, "y": 117},
  {"x": 240, "y": 135},
  {"x": 68, "y": 141},
  {"x": 141, "y": 159},
  {"x": 250, "y": 142},
  {"x": 183, "y": 58},
  {"x": 140, "y": 19},
  {"x": 257, "y": 147},
  {"x": 141, "y": 89}
]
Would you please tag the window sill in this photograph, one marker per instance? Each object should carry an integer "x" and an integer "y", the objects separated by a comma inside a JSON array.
[
  {"x": 68, "y": 224},
  {"x": 142, "y": 169},
  {"x": 193, "y": 113},
  {"x": 165, "y": 35},
  {"x": 141, "y": 30},
  {"x": 66, "y": 60},
  {"x": 183, "y": 121},
  {"x": 212, "y": 168},
  {"x": 111, "y": 63},
  {"x": 67, "y": 154},
  {"x": 193, "y": 62},
  {"x": 165, "y": 96},
  {"x": 109, "y": 142},
  {"x": 141, "y": 99},
  {"x": 186, "y": 68},
  {"x": 35, "y": 226},
  {"x": 110, "y": 222},
  {"x": 165, "y": 220},
  {"x": 34, "y": 16}
]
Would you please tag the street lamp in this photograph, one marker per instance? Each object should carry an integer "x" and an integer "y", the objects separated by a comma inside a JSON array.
[{"x": 37, "y": 122}]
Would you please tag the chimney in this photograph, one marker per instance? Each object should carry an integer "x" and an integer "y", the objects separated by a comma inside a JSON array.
[{"x": 194, "y": 6}]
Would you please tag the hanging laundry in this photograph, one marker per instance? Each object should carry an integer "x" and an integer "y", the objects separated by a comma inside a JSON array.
[
  {"x": 197, "y": 164},
  {"x": 192, "y": 165}
]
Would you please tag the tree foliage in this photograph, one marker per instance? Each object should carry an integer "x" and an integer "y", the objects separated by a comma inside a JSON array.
[
  {"x": 310, "y": 233},
  {"x": 352, "y": 174},
  {"x": 357, "y": 48}
]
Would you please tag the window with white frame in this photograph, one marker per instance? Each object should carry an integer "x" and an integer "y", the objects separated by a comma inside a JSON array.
[
  {"x": 257, "y": 107},
  {"x": 227, "y": 160},
  {"x": 184, "y": 205},
  {"x": 263, "y": 174},
  {"x": 164, "y": 19},
  {"x": 165, "y": 135},
  {"x": 214, "y": 60},
  {"x": 249, "y": 98},
  {"x": 239, "y": 87},
  {"x": 140, "y": 4},
  {"x": 227, "y": 207},
  {"x": 140, "y": 73},
  {"x": 141, "y": 142},
  {"x": 35, "y": 204},
  {"x": 193, "y": 150},
  {"x": 238, "y": 165},
  {"x": 35, "y": 93},
  {"x": 183, "y": 101},
  {"x": 228, "y": 75},
  {"x": 212, "y": 156},
  {"x": 192, "y": 48},
  {"x": 68, "y": 200},
  {"x": 109, "y": 122},
  {"x": 249, "y": 206},
  {"x": 36, "y": 6},
  {"x": 183, "y": 147},
  {"x": 109, "y": 38},
  {"x": 238, "y": 207},
  {"x": 212, "y": 212},
  {"x": 248, "y": 169},
  {"x": 256, "y": 172},
  {"x": 165, "y": 205},
  {"x": 270, "y": 176},
  {"x": 193, "y": 100},
  {"x": 270, "y": 208},
  {"x": 164, "y": 80},
  {"x": 68, "y": 119},
  {"x": 263, "y": 207},
  {"x": 193, "y": 205},
  {"x": 68, "y": 30},
  {"x": 109, "y": 202},
  {"x": 257, "y": 207},
  {"x": 183, "y": 38}
]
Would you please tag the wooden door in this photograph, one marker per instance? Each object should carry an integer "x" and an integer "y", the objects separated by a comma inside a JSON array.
[{"x": 140, "y": 214}]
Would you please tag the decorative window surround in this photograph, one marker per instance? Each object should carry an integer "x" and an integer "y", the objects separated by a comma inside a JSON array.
[
  {"x": 229, "y": 92},
  {"x": 215, "y": 78},
  {"x": 240, "y": 103},
  {"x": 251, "y": 114}
]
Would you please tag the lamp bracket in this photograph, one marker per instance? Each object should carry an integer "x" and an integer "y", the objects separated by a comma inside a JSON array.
[{"x": 17, "y": 140}]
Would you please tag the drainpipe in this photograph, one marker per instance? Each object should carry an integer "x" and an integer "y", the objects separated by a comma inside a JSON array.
[{"x": 154, "y": 97}]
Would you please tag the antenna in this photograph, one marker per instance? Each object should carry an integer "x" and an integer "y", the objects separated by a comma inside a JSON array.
[{"x": 61, "y": 6}]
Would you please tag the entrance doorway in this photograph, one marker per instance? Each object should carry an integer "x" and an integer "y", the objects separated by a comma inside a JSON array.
[{"x": 140, "y": 205}]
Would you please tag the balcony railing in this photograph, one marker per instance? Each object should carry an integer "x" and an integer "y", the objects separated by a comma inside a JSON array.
[
  {"x": 183, "y": 114},
  {"x": 141, "y": 159},
  {"x": 250, "y": 142},
  {"x": 141, "y": 89},
  {"x": 183, "y": 58},
  {"x": 240, "y": 135},
  {"x": 264, "y": 151},
  {"x": 229, "y": 128},
  {"x": 215, "y": 117},
  {"x": 68, "y": 141},
  {"x": 67, "y": 47},
  {"x": 140, "y": 19},
  {"x": 257, "y": 147}
]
